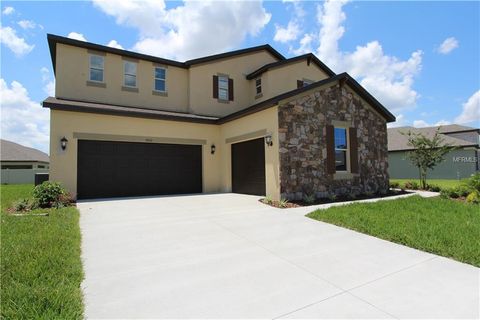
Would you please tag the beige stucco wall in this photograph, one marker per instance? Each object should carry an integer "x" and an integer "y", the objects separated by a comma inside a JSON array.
[
  {"x": 216, "y": 168},
  {"x": 72, "y": 74},
  {"x": 63, "y": 164},
  {"x": 266, "y": 120},
  {"x": 201, "y": 83},
  {"x": 188, "y": 90},
  {"x": 283, "y": 79}
]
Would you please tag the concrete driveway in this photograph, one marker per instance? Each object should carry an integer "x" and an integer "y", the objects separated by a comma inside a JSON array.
[{"x": 229, "y": 256}]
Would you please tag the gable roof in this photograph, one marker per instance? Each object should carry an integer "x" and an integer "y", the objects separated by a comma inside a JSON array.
[
  {"x": 84, "y": 106},
  {"x": 399, "y": 142},
  {"x": 454, "y": 128},
  {"x": 344, "y": 77},
  {"x": 310, "y": 57},
  {"x": 11, "y": 151},
  {"x": 54, "y": 39}
]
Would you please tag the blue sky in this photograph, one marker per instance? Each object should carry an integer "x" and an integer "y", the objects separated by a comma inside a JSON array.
[{"x": 420, "y": 59}]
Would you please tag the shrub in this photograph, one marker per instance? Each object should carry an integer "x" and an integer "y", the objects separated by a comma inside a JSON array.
[
  {"x": 309, "y": 199},
  {"x": 394, "y": 184},
  {"x": 283, "y": 203},
  {"x": 434, "y": 188},
  {"x": 462, "y": 190},
  {"x": 412, "y": 185},
  {"x": 23, "y": 205},
  {"x": 352, "y": 196},
  {"x": 332, "y": 197},
  {"x": 267, "y": 200},
  {"x": 473, "y": 197},
  {"x": 49, "y": 194},
  {"x": 473, "y": 183}
]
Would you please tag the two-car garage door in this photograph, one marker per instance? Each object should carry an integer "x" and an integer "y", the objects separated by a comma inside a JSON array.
[
  {"x": 126, "y": 169},
  {"x": 121, "y": 169}
]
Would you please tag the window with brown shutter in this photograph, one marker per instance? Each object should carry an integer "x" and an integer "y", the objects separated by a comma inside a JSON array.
[
  {"x": 215, "y": 87},
  {"x": 353, "y": 146},
  {"x": 230, "y": 89},
  {"x": 330, "y": 137}
]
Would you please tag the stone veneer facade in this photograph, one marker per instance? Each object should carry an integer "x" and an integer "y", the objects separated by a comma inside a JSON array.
[{"x": 303, "y": 148}]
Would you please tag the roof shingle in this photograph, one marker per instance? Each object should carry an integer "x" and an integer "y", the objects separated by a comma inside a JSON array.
[{"x": 11, "y": 151}]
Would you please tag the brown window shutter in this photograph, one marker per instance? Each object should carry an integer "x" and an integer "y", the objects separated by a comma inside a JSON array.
[
  {"x": 230, "y": 89},
  {"x": 352, "y": 136},
  {"x": 299, "y": 84},
  {"x": 215, "y": 87},
  {"x": 330, "y": 149}
]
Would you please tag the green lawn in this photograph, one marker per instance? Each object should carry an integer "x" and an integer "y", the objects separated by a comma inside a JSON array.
[
  {"x": 40, "y": 266},
  {"x": 442, "y": 183},
  {"x": 445, "y": 227}
]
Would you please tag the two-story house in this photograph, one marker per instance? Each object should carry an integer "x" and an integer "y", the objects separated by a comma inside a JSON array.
[{"x": 247, "y": 121}]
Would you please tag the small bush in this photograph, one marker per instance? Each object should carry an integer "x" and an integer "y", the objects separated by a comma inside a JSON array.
[
  {"x": 462, "y": 190},
  {"x": 412, "y": 185},
  {"x": 394, "y": 184},
  {"x": 434, "y": 188},
  {"x": 23, "y": 205},
  {"x": 267, "y": 200},
  {"x": 473, "y": 183},
  {"x": 352, "y": 196},
  {"x": 473, "y": 197},
  {"x": 283, "y": 203},
  {"x": 49, "y": 194},
  {"x": 309, "y": 199}
]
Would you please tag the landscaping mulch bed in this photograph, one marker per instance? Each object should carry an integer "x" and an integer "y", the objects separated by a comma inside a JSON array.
[{"x": 301, "y": 203}]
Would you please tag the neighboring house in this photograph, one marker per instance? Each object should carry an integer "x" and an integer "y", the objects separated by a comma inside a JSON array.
[
  {"x": 19, "y": 163},
  {"x": 458, "y": 164},
  {"x": 247, "y": 121}
]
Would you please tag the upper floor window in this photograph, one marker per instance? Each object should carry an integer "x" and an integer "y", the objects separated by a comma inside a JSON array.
[
  {"x": 341, "y": 149},
  {"x": 258, "y": 86},
  {"x": 96, "y": 67},
  {"x": 223, "y": 87},
  {"x": 130, "y": 74},
  {"x": 160, "y": 79}
]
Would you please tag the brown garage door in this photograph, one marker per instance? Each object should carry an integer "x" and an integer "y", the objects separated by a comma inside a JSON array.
[
  {"x": 121, "y": 169},
  {"x": 248, "y": 167}
]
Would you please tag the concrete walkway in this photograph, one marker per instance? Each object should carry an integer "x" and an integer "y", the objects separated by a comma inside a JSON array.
[{"x": 229, "y": 256}]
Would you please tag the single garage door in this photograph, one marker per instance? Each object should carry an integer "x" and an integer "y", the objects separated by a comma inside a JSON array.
[
  {"x": 248, "y": 167},
  {"x": 121, "y": 169}
]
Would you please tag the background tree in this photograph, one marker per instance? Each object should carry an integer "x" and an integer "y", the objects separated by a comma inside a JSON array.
[{"x": 427, "y": 152}]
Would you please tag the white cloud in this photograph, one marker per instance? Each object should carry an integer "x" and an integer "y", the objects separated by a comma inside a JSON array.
[
  {"x": 420, "y": 124},
  {"x": 305, "y": 45},
  {"x": 192, "y": 29},
  {"x": 287, "y": 34},
  {"x": 423, "y": 123},
  {"x": 471, "y": 110},
  {"x": 114, "y": 44},
  {"x": 27, "y": 24},
  {"x": 9, "y": 38},
  {"x": 448, "y": 45},
  {"x": 8, "y": 10},
  {"x": 387, "y": 77},
  {"x": 23, "y": 121},
  {"x": 76, "y": 36},
  {"x": 399, "y": 122},
  {"x": 48, "y": 83}
]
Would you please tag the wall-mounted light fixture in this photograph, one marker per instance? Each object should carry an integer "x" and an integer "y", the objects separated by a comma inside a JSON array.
[
  {"x": 212, "y": 149},
  {"x": 268, "y": 140},
  {"x": 63, "y": 143}
]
